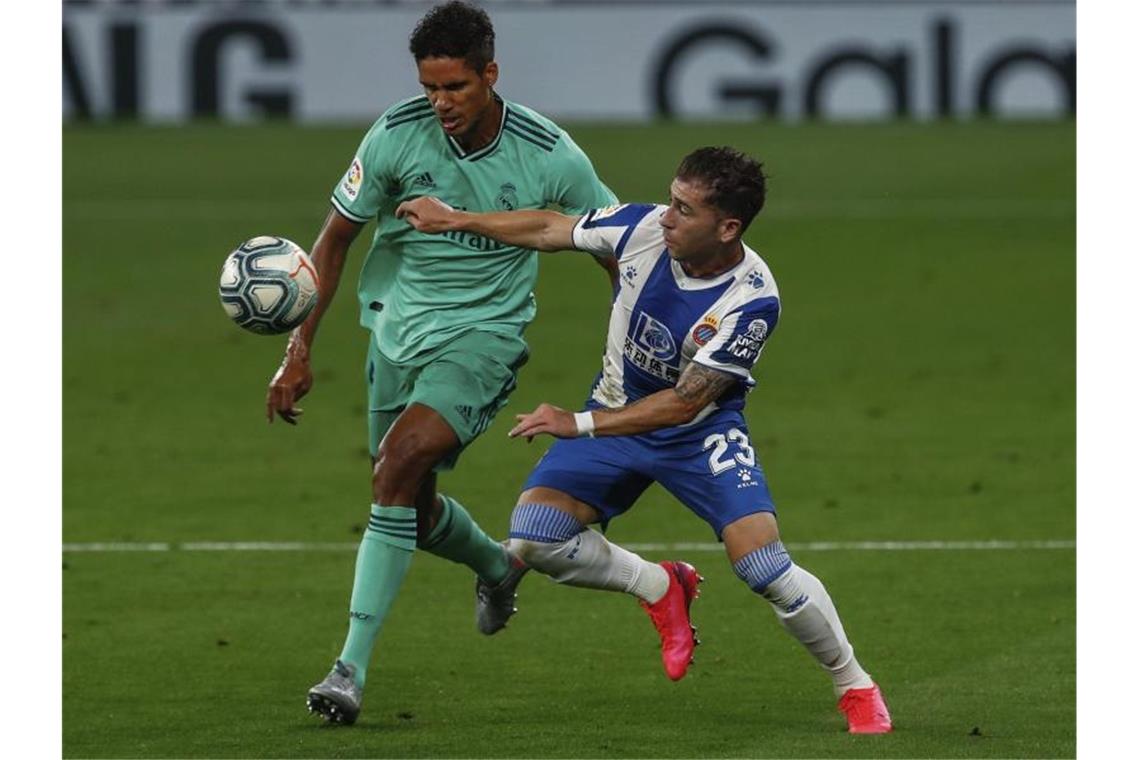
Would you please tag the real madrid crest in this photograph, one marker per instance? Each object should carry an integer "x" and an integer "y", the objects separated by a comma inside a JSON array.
[{"x": 508, "y": 197}]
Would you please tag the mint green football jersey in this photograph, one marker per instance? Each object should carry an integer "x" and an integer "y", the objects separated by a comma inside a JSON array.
[{"x": 419, "y": 291}]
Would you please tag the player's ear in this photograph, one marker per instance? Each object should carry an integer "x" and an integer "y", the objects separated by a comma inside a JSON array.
[
  {"x": 730, "y": 229},
  {"x": 491, "y": 73}
]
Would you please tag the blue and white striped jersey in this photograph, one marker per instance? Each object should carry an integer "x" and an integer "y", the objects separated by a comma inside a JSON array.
[{"x": 662, "y": 319}]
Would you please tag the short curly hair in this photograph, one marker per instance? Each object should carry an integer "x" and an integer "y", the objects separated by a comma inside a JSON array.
[
  {"x": 735, "y": 181},
  {"x": 455, "y": 30}
]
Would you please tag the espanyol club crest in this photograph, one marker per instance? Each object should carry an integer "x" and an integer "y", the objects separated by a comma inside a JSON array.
[
  {"x": 654, "y": 336},
  {"x": 705, "y": 331}
]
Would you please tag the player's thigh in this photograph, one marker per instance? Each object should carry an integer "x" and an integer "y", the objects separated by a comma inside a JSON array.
[
  {"x": 389, "y": 391},
  {"x": 597, "y": 472},
  {"x": 468, "y": 381},
  {"x": 715, "y": 473}
]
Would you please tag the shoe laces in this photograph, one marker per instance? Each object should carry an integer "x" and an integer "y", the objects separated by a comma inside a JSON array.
[{"x": 862, "y": 706}]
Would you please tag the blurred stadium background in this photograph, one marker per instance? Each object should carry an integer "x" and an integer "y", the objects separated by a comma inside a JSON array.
[{"x": 915, "y": 414}]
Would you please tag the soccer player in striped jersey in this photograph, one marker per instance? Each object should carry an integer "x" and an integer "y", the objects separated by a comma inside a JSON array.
[
  {"x": 446, "y": 313},
  {"x": 695, "y": 310}
]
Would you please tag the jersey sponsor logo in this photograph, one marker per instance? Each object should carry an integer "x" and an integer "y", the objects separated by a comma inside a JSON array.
[
  {"x": 508, "y": 197},
  {"x": 655, "y": 336},
  {"x": 474, "y": 242},
  {"x": 747, "y": 345},
  {"x": 643, "y": 360},
  {"x": 757, "y": 330},
  {"x": 353, "y": 178}
]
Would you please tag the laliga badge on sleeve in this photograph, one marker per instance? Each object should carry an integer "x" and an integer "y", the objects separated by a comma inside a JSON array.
[{"x": 353, "y": 178}]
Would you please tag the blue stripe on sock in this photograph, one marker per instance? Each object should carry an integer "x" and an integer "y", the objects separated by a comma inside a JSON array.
[
  {"x": 539, "y": 522},
  {"x": 761, "y": 566}
]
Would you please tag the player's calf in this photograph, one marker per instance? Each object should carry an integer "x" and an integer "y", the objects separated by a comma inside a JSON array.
[
  {"x": 556, "y": 544},
  {"x": 806, "y": 611}
]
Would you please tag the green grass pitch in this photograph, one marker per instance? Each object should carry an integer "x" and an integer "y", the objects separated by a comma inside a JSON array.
[{"x": 921, "y": 387}]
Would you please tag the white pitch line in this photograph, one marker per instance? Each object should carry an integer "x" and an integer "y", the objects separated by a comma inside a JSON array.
[
  {"x": 709, "y": 546},
  {"x": 117, "y": 547}
]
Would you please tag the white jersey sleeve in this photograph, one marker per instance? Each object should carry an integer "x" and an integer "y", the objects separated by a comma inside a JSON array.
[
  {"x": 623, "y": 231},
  {"x": 741, "y": 337}
]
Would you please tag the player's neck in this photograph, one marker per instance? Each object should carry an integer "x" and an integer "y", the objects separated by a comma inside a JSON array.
[
  {"x": 717, "y": 263},
  {"x": 486, "y": 130}
]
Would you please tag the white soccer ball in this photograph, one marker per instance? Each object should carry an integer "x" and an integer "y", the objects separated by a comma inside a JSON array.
[{"x": 268, "y": 285}]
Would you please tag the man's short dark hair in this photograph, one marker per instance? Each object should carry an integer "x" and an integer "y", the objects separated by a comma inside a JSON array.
[
  {"x": 735, "y": 181},
  {"x": 455, "y": 30}
]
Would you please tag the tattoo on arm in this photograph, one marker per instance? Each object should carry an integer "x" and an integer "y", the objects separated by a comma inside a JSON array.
[{"x": 700, "y": 385}]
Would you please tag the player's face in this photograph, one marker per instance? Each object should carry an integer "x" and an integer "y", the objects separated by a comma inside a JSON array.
[
  {"x": 694, "y": 230},
  {"x": 459, "y": 95}
]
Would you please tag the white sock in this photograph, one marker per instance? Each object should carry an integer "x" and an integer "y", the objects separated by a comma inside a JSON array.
[
  {"x": 588, "y": 560},
  {"x": 806, "y": 611}
]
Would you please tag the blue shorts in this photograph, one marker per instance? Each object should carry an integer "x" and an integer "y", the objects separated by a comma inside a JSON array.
[{"x": 709, "y": 467}]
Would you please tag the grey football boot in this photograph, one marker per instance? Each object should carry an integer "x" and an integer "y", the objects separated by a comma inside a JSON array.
[
  {"x": 494, "y": 605},
  {"x": 337, "y": 698}
]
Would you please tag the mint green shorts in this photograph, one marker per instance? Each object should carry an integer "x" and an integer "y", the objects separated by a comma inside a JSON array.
[{"x": 467, "y": 381}]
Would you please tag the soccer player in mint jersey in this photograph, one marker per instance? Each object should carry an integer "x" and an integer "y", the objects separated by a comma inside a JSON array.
[
  {"x": 446, "y": 313},
  {"x": 695, "y": 309}
]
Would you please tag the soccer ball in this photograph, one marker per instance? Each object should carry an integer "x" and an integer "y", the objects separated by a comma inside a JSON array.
[{"x": 268, "y": 285}]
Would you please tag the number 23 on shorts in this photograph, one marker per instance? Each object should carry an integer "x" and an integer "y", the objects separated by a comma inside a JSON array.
[{"x": 719, "y": 443}]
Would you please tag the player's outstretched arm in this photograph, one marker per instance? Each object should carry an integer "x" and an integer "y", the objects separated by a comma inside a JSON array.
[
  {"x": 540, "y": 230},
  {"x": 698, "y": 387},
  {"x": 294, "y": 377}
]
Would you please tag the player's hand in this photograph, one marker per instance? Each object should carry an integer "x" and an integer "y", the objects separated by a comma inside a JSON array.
[
  {"x": 548, "y": 419},
  {"x": 293, "y": 380},
  {"x": 427, "y": 214}
]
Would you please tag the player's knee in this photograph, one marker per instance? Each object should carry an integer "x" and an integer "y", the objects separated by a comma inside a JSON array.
[
  {"x": 540, "y": 535},
  {"x": 770, "y": 572},
  {"x": 407, "y": 454},
  {"x": 400, "y": 467}
]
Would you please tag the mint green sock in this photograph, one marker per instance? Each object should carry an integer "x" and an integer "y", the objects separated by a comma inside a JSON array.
[
  {"x": 381, "y": 563},
  {"x": 459, "y": 538}
]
